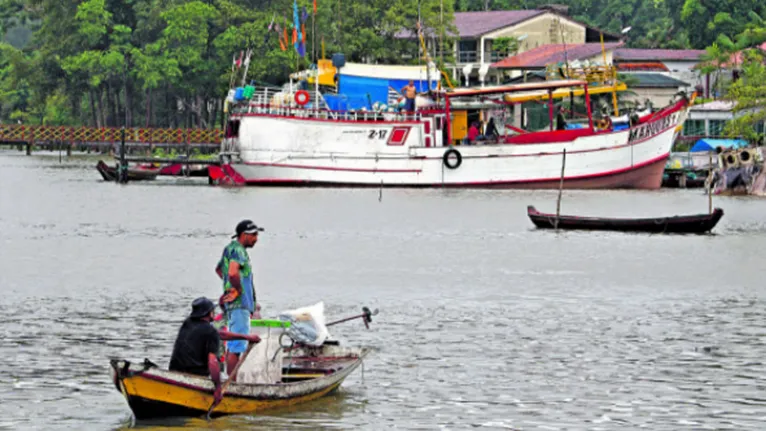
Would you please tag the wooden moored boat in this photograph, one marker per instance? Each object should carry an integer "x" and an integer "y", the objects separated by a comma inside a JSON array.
[
  {"x": 697, "y": 223},
  {"x": 109, "y": 173},
  {"x": 308, "y": 374}
]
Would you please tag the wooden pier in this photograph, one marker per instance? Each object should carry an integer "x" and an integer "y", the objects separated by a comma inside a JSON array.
[{"x": 107, "y": 139}]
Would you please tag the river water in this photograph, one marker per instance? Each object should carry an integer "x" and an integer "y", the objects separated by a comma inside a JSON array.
[{"x": 484, "y": 321}]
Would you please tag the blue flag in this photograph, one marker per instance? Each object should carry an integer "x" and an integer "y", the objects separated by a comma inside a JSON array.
[{"x": 297, "y": 23}]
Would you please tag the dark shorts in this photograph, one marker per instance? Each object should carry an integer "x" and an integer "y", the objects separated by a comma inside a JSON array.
[{"x": 409, "y": 105}]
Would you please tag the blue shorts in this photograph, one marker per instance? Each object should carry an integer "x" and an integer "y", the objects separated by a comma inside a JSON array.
[{"x": 239, "y": 323}]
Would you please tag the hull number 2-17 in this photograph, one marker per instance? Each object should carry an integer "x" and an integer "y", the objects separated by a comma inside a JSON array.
[{"x": 380, "y": 134}]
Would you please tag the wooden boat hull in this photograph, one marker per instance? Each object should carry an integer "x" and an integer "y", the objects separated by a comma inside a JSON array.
[
  {"x": 697, "y": 223},
  {"x": 109, "y": 173},
  {"x": 180, "y": 170},
  {"x": 154, "y": 393}
]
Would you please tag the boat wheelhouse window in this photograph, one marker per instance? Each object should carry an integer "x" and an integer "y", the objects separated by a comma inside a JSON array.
[{"x": 232, "y": 129}]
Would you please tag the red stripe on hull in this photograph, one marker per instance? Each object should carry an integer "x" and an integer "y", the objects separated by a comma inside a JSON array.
[
  {"x": 333, "y": 168},
  {"x": 647, "y": 177}
]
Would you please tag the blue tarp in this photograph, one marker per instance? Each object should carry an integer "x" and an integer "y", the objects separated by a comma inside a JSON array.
[
  {"x": 709, "y": 144},
  {"x": 362, "y": 91}
]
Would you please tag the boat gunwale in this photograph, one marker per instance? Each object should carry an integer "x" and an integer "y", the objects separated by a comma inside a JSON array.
[
  {"x": 292, "y": 389},
  {"x": 533, "y": 212}
]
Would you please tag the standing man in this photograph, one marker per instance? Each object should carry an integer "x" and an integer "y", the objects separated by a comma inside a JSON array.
[
  {"x": 409, "y": 93},
  {"x": 238, "y": 299},
  {"x": 197, "y": 344}
]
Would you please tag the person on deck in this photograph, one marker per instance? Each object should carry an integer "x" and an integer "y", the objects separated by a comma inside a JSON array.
[
  {"x": 409, "y": 92},
  {"x": 238, "y": 298},
  {"x": 561, "y": 121},
  {"x": 473, "y": 133},
  {"x": 197, "y": 345},
  {"x": 490, "y": 130}
]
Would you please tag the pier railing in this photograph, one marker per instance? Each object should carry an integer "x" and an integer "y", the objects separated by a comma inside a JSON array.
[{"x": 23, "y": 133}]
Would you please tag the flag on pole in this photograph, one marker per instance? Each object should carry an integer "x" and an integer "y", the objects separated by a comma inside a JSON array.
[
  {"x": 238, "y": 62},
  {"x": 296, "y": 25},
  {"x": 315, "y": 7},
  {"x": 247, "y": 57}
]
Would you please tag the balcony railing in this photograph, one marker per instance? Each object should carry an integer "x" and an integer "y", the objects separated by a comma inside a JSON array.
[{"x": 464, "y": 57}]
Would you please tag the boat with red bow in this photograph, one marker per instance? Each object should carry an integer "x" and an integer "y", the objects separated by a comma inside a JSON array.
[{"x": 292, "y": 139}]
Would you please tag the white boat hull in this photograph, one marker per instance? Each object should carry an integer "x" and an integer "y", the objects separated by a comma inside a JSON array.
[{"x": 306, "y": 151}]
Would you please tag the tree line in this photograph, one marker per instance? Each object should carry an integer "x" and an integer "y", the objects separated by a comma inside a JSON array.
[{"x": 168, "y": 63}]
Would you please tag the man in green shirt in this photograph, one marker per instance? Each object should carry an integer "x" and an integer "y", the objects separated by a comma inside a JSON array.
[{"x": 238, "y": 299}]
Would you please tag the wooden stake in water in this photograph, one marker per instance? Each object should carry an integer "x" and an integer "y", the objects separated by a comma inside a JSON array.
[
  {"x": 122, "y": 175},
  {"x": 710, "y": 184},
  {"x": 561, "y": 188}
]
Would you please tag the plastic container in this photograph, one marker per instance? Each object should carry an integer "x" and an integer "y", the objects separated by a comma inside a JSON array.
[{"x": 249, "y": 92}]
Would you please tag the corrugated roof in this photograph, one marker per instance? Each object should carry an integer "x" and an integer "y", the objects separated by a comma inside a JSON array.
[
  {"x": 632, "y": 54},
  {"x": 643, "y": 66},
  {"x": 655, "y": 80},
  {"x": 475, "y": 24},
  {"x": 472, "y": 24},
  {"x": 541, "y": 56}
]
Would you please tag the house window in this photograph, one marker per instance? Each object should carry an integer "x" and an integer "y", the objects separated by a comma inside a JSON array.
[
  {"x": 467, "y": 51},
  {"x": 694, "y": 128},
  {"x": 716, "y": 127}
]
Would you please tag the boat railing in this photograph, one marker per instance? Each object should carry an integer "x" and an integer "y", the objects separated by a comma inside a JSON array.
[{"x": 265, "y": 101}]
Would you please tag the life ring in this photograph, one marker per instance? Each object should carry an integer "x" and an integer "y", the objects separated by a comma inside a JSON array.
[
  {"x": 446, "y": 158},
  {"x": 302, "y": 97}
]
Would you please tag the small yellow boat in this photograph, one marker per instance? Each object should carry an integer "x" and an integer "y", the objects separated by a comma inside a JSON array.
[{"x": 307, "y": 374}]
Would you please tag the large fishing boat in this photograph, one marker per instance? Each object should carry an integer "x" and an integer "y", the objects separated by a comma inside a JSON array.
[{"x": 292, "y": 137}]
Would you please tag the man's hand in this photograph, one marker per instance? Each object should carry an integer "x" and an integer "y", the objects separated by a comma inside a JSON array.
[
  {"x": 253, "y": 339},
  {"x": 230, "y": 295}
]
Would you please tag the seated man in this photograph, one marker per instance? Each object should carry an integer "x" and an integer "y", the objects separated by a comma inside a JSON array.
[
  {"x": 198, "y": 343},
  {"x": 473, "y": 133}
]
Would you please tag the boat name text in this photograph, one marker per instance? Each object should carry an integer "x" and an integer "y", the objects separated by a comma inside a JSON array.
[{"x": 650, "y": 129}]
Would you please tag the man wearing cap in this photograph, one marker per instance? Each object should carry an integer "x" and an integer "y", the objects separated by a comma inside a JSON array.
[
  {"x": 197, "y": 344},
  {"x": 238, "y": 299}
]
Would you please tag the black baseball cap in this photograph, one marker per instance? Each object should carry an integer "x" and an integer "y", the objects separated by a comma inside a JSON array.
[
  {"x": 201, "y": 307},
  {"x": 247, "y": 226}
]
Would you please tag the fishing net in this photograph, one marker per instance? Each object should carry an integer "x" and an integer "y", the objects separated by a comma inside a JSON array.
[{"x": 263, "y": 365}]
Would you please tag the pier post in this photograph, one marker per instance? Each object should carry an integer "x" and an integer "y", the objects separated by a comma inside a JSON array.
[
  {"x": 29, "y": 148},
  {"x": 561, "y": 188},
  {"x": 710, "y": 182},
  {"x": 682, "y": 180},
  {"x": 122, "y": 175}
]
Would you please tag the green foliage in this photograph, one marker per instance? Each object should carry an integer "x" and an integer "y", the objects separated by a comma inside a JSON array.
[
  {"x": 167, "y": 63},
  {"x": 506, "y": 46},
  {"x": 749, "y": 93}
]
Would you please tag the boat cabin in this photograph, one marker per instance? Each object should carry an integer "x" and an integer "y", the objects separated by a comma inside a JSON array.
[{"x": 489, "y": 115}]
